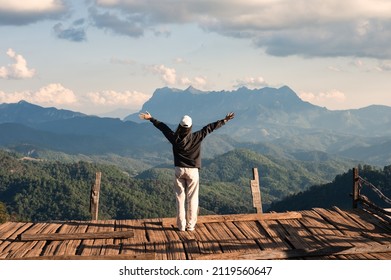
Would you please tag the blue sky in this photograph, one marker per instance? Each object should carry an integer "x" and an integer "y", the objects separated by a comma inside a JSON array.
[{"x": 97, "y": 56}]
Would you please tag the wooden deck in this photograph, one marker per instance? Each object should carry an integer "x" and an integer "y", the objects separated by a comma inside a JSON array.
[{"x": 313, "y": 234}]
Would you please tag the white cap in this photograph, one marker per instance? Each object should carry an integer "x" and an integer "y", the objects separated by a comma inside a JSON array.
[{"x": 186, "y": 121}]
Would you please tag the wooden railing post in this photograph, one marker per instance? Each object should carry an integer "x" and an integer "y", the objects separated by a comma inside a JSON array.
[
  {"x": 256, "y": 194},
  {"x": 356, "y": 191},
  {"x": 94, "y": 198}
]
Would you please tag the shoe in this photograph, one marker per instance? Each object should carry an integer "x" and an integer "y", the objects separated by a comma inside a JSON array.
[{"x": 190, "y": 229}]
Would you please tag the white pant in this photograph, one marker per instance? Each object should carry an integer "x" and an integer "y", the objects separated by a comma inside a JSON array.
[{"x": 186, "y": 190}]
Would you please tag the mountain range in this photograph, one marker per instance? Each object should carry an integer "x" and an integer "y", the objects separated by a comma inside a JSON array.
[
  {"x": 277, "y": 116},
  {"x": 269, "y": 120},
  {"x": 294, "y": 144},
  {"x": 266, "y": 114}
]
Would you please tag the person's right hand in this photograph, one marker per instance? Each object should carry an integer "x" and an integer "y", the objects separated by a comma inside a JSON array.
[
  {"x": 145, "y": 116},
  {"x": 229, "y": 116}
]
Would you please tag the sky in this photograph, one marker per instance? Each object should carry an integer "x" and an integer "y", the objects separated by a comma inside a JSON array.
[{"x": 99, "y": 56}]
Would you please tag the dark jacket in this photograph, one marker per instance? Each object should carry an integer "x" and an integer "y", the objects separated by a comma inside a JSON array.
[{"x": 187, "y": 147}]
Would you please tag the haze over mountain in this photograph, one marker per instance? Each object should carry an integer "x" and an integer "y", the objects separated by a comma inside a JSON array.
[
  {"x": 265, "y": 114},
  {"x": 268, "y": 120}
]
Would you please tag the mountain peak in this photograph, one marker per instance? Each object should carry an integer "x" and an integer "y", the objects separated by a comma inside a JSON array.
[{"x": 193, "y": 90}]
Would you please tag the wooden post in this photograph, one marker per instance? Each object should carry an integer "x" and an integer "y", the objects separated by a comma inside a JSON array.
[
  {"x": 356, "y": 191},
  {"x": 254, "y": 184},
  {"x": 94, "y": 199}
]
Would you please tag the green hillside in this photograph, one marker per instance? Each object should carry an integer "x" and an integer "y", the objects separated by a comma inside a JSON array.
[
  {"x": 41, "y": 190},
  {"x": 338, "y": 192}
]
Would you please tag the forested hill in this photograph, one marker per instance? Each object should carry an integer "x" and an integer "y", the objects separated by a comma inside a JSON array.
[
  {"x": 35, "y": 190},
  {"x": 39, "y": 190},
  {"x": 338, "y": 192}
]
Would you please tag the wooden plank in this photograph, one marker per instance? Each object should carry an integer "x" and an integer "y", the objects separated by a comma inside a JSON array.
[
  {"x": 238, "y": 217},
  {"x": 368, "y": 230},
  {"x": 59, "y": 247},
  {"x": 276, "y": 233},
  {"x": 18, "y": 249},
  {"x": 87, "y": 246},
  {"x": 147, "y": 256},
  {"x": 297, "y": 253},
  {"x": 247, "y": 244},
  {"x": 34, "y": 248},
  {"x": 298, "y": 236},
  {"x": 101, "y": 246},
  {"x": 255, "y": 191},
  {"x": 352, "y": 231},
  {"x": 219, "y": 231},
  {"x": 71, "y": 247},
  {"x": 108, "y": 246},
  {"x": 225, "y": 238},
  {"x": 157, "y": 239},
  {"x": 346, "y": 225},
  {"x": 315, "y": 224},
  {"x": 175, "y": 246},
  {"x": 254, "y": 231},
  {"x": 353, "y": 217},
  {"x": 12, "y": 230},
  {"x": 137, "y": 244},
  {"x": 5, "y": 227},
  {"x": 39, "y": 246},
  {"x": 75, "y": 236},
  {"x": 355, "y": 187},
  {"x": 206, "y": 242},
  {"x": 251, "y": 229},
  {"x": 369, "y": 217},
  {"x": 191, "y": 248},
  {"x": 10, "y": 234},
  {"x": 324, "y": 231}
]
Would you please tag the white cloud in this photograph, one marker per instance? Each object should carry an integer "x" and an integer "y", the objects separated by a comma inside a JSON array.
[
  {"x": 58, "y": 96},
  {"x": 251, "y": 82},
  {"x": 384, "y": 66},
  {"x": 20, "y": 12},
  {"x": 168, "y": 75},
  {"x": 113, "y": 99},
  {"x": 180, "y": 60},
  {"x": 334, "y": 68},
  {"x": 50, "y": 95},
  {"x": 198, "y": 82},
  {"x": 55, "y": 94},
  {"x": 17, "y": 70},
  {"x": 330, "y": 99},
  {"x": 29, "y": 6}
]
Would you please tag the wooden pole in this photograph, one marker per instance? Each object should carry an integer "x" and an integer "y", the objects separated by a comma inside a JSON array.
[
  {"x": 356, "y": 191},
  {"x": 254, "y": 184},
  {"x": 94, "y": 199}
]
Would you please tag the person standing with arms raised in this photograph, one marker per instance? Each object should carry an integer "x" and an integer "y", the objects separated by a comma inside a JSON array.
[{"x": 186, "y": 147}]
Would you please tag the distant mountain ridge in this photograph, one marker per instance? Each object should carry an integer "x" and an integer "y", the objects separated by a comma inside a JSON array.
[
  {"x": 265, "y": 114},
  {"x": 269, "y": 117},
  {"x": 30, "y": 114}
]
